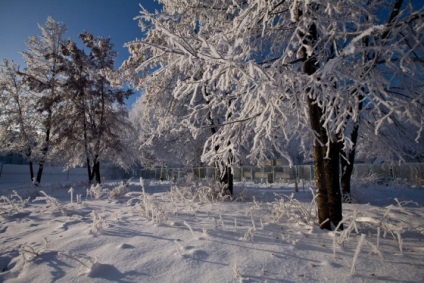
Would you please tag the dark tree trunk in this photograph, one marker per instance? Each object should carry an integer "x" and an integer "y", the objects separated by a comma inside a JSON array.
[
  {"x": 44, "y": 150},
  {"x": 90, "y": 172},
  {"x": 39, "y": 172},
  {"x": 97, "y": 172},
  {"x": 319, "y": 173},
  {"x": 347, "y": 163},
  {"x": 31, "y": 170},
  {"x": 28, "y": 154},
  {"x": 347, "y": 169},
  {"x": 332, "y": 176},
  {"x": 94, "y": 172},
  {"x": 326, "y": 169},
  {"x": 227, "y": 179}
]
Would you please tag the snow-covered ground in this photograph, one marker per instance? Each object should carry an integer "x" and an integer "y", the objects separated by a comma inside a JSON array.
[{"x": 166, "y": 236}]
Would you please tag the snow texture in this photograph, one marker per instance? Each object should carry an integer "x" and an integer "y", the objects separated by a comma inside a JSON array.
[{"x": 265, "y": 235}]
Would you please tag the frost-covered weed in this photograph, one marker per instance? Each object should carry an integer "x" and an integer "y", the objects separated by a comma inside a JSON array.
[
  {"x": 191, "y": 229},
  {"x": 119, "y": 191},
  {"x": 213, "y": 192},
  {"x": 98, "y": 224},
  {"x": 292, "y": 210},
  {"x": 21, "y": 202},
  {"x": 56, "y": 205},
  {"x": 96, "y": 191},
  {"x": 8, "y": 206},
  {"x": 29, "y": 252},
  {"x": 86, "y": 262},
  {"x": 13, "y": 204},
  {"x": 149, "y": 208},
  {"x": 248, "y": 236},
  {"x": 390, "y": 223}
]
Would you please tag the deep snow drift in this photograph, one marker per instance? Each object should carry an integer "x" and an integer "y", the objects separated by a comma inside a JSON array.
[{"x": 118, "y": 233}]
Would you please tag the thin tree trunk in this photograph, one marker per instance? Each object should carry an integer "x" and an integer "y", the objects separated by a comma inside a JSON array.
[
  {"x": 39, "y": 172},
  {"x": 347, "y": 164},
  {"x": 348, "y": 161},
  {"x": 30, "y": 163},
  {"x": 44, "y": 152},
  {"x": 326, "y": 169},
  {"x": 97, "y": 173},
  {"x": 31, "y": 170},
  {"x": 89, "y": 172}
]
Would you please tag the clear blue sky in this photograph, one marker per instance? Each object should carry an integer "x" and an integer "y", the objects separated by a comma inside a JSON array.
[{"x": 106, "y": 18}]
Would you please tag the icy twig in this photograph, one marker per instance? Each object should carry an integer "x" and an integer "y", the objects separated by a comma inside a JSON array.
[{"x": 191, "y": 230}]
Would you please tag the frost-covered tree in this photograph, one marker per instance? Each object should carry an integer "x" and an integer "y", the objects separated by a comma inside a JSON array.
[
  {"x": 163, "y": 131},
  {"x": 17, "y": 123},
  {"x": 44, "y": 75},
  {"x": 96, "y": 123},
  {"x": 276, "y": 70},
  {"x": 206, "y": 106}
]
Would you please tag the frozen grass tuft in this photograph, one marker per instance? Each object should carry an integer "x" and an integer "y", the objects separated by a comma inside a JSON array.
[
  {"x": 119, "y": 191},
  {"x": 149, "y": 208},
  {"x": 56, "y": 205},
  {"x": 290, "y": 209},
  {"x": 95, "y": 191},
  {"x": 209, "y": 193},
  {"x": 98, "y": 224}
]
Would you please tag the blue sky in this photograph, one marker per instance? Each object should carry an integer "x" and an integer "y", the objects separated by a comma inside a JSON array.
[{"x": 106, "y": 18}]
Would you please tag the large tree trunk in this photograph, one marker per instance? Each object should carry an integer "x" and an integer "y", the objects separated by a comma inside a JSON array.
[
  {"x": 319, "y": 173},
  {"x": 225, "y": 178},
  {"x": 94, "y": 176},
  {"x": 326, "y": 168},
  {"x": 332, "y": 175}
]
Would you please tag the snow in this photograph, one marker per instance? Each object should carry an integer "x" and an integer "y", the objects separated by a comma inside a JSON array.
[{"x": 104, "y": 240}]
